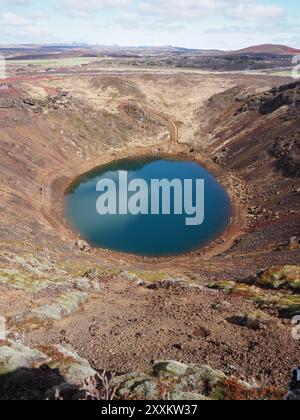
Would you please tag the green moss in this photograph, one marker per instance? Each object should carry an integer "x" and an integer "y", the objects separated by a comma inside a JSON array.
[
  {"x": 173, "y": 380},
  {"x": 286, "y": 277},
  {"x": 282, "y": 301},
  {"x": 23, "y": 281},
  {"x": 170, "y": 368},
  {"x": 14, "y": 356},
  {"x": 226, "y": 286},
  {"x": 218, "y": 393},
  {"x": 152, "y": 276},
  {"x": 63, "y": 306}
]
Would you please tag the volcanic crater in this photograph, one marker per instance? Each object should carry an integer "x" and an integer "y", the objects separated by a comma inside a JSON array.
[{"x": 57, "y": 289}]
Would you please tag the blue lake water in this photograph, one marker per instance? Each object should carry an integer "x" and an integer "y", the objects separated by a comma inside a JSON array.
[{"x": 148, "y": 235}]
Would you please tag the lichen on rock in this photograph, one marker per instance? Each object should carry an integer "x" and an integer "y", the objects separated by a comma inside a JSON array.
[{"x": 61, "y": 307}]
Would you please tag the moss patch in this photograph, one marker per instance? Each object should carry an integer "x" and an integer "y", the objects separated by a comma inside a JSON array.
[
  {"x": 152, "y": 276},
  {"x": 286, "y": 277},
  {"x": 286, "y": 303}
]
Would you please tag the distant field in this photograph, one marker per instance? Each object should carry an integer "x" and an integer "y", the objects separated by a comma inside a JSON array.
[
  {"x": 283, "y": 73},
  {"x": 59, "y": 62},
  {"x": 279, "y": 73},
  {"x": 114, "y": 64}
]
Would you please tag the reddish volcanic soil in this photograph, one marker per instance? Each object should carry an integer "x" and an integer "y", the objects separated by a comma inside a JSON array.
[
  {"x": 129, "y": 327},
  {"x": 242, "y": 128}
]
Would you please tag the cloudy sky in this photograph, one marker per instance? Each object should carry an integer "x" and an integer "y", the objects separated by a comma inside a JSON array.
[{"x": 226, "y": 24}]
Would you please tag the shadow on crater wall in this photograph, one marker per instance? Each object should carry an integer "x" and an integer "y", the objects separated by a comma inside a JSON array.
[{"x": 36, "y": 384}]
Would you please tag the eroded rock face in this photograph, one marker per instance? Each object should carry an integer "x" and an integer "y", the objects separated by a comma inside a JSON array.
[
  {"x": 287, "y": 153},
  {"x": 274, "y": 99}
]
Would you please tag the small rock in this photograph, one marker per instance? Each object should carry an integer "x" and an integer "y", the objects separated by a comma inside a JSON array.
[
  {"x": 29, "y": 101},
  {"x": 178, "y": 346},
  {"x": 83, "y": 246},
  {"x": 170, "y": 368},
  {"x": 221, "y": 305}
]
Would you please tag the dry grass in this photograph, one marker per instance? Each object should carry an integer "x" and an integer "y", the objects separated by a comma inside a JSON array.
[{"x": 94, "y": 389}]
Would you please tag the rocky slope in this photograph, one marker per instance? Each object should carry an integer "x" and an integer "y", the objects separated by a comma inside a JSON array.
[
  {"x": 54, "y": 373},
  {"x": 207, "y": 307},
  {"x": 257, "y": 137}
]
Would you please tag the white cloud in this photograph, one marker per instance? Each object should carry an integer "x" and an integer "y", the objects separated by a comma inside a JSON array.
[
  {"x": 173, "y": 10},
  {"x": 178, "y": 13},
  {"x": 86, "y": 8},
  {"x": 14, "y": 19},
  {"x": 39, "y": 14},
  {"x": 16, "y": 2},
  {"x": 181, "y": 22},
  {"x": 230, "y": 30},
  {"x": 133, "y": 20},
  {"x": 269, "y": 27},
  {"x": 20, "y": 25},
  {"x": 241, "y": 9},
  {"x": 252, "y": 11}
]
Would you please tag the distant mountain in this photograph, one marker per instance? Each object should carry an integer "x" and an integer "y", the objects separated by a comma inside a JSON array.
[
  {"x": 19, "y": 51},
  {"x": 267, "y": 49}
]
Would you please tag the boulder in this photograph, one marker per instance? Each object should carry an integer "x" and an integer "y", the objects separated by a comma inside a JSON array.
[
  {"x": 83, "y": 246},
  {"x": 256, "y": 320},
  {"x": 170, "y": 380},
  {"x": 45, "y": 372},
  {"x": 14, "y": 356},
  {"x": 63, "y": 306},
  {"x": 169, "y": 368}
]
